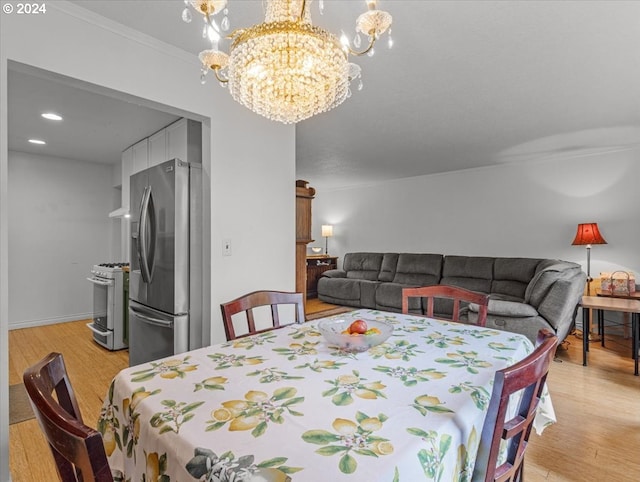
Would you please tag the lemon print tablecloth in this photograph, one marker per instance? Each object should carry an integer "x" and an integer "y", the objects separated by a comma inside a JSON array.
[{"x": 285, "y": 405}]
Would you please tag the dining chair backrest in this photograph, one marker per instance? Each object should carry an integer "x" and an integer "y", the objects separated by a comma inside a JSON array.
[
  {"x": 529, "y": 376},
  {"x": 453, "y": 293},
  {"x": 77, "y": 449},
  {"x": 257, "y": 299}
]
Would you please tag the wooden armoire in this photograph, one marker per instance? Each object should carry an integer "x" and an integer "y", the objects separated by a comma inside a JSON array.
[{"x": 304, "y": 196}]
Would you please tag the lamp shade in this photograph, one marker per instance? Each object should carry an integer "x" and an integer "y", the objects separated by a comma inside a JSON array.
[
  {"x": 327, "y": 230},
  {"x": 588, "y": 233}
]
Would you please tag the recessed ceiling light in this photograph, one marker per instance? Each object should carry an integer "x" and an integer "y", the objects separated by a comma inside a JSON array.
[
  {"x": 52, "y": 116},
  {"x": 36, "y": 141}
]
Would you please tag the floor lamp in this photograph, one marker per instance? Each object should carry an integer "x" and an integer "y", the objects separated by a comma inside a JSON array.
[{"x": 588, "y": 234}]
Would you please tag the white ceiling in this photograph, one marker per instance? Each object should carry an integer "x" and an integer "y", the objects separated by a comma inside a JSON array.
[
  {"x": 467, "y": 84},
  {"x": 96, "y": 126}
]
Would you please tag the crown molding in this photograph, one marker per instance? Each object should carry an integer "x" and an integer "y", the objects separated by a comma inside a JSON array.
[{"x": 112, "y": 26}]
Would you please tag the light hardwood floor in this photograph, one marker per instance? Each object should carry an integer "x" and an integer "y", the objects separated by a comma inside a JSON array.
[{"x": 597, "y": 437}]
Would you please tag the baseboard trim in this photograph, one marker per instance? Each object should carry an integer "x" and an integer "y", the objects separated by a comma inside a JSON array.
[{"x": 49, "y": 321}]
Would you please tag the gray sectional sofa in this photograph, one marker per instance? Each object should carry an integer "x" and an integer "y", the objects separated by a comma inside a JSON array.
[{"x": 526, "y": 294}]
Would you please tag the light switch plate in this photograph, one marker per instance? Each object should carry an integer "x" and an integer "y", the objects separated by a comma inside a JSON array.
[{"x": 226, "y": 247}]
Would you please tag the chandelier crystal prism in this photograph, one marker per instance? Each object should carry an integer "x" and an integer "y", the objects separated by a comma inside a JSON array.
[{"x": 285, "y": 69}]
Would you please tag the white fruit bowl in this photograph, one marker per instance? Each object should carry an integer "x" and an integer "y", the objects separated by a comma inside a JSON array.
[{"x": 332, "y": 330}]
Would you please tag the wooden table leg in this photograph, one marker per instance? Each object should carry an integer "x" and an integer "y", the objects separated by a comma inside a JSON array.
[
  {"x": 635, "y": 333},
  {"x": 625, "y": 325},
  {"x": 586, "y": 329}
]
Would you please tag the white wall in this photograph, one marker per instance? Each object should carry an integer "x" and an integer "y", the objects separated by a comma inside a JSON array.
[
  {"x": 251, "y": 164},
  {"x": 521, "y": 210},
  {"x": 58, "y": 229}
]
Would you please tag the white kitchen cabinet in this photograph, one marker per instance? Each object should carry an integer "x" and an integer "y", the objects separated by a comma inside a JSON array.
[
  {"x": 116, "y": 175},
  {"x": 140, "y": 155},
  {"x": 177, "y": 140},
  {"x": 158, "y": 148},
  {"x": 127, "y": 169}
]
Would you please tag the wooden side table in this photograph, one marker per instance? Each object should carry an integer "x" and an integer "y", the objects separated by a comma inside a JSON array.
[
  {"x": 601, "y": 304},
  {"x": 316, "y": 265},
  {"x": 627, "y": 296}
]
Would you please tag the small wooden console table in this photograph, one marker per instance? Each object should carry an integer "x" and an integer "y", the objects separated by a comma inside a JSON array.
[
  {"x": 601, "y": 304},
  {"x": 316, "y": 265}
]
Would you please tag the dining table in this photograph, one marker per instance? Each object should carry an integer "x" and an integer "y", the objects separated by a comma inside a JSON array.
[{"x": 286, "y": 405}]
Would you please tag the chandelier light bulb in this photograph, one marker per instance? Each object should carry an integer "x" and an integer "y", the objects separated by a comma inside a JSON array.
[
  {"x": 214, "y": 37},
  {"x": 344, "y": 40},
  {"x": 186, "y": 15}
]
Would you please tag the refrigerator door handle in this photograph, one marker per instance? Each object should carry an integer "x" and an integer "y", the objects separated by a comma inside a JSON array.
[
  {"x": 154, "y": 321},
  {"x": 139, "y": 239},
  {"x": 147, "y": 225}
]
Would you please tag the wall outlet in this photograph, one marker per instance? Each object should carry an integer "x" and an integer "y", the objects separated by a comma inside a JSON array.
[{"x": 226, "y": 247}]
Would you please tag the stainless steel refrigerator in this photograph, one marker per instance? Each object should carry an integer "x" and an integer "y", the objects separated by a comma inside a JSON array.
[{"x": 165, "y": 283}]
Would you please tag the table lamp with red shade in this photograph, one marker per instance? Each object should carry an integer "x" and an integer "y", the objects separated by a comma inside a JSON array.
[{"x": 588, "y": 234}]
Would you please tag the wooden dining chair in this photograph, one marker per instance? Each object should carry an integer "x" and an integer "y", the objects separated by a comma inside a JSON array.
[
  {"x": 528, "y": 375},
  {"x": 77, "y": 449},
  {"x": 256, "y": 299},
  {"x": 454, "y": 293}
]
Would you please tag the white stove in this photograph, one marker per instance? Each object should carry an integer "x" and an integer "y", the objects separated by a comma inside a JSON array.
[{"x": 109, "y": 324}]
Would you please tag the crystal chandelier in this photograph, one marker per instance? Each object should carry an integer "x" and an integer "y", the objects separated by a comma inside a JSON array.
[{"x": 286, "y": 69}]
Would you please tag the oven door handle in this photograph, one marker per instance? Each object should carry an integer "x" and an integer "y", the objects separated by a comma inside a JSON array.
[
  {"x": 154, "y": 321},
  {"x": 95, "y": 330},
  {"x": 100, "y": 282}
]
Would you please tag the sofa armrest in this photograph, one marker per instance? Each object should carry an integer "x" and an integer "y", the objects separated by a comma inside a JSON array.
[
  {"x": 558, "y": 306},
  {"x": 334, "y": 273}
]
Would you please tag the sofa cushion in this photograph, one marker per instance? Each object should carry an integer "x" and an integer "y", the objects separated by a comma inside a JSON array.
[
  {"x": 511, "y": 276},
  {"x": 388, "y": 268},
  {"x": 362, "y": 265},
  {"x": 389, "y": 295},
  {"x": 471, "y": 272},
  {"x": 547, "y": 274},
  {"x": 339, "y": 288},
  {"x": 540, "y": 285},
  {"x": 418, "y": 269},
  {"x": 368, "y": 293},
  {"x": 514, "y": 309}
]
